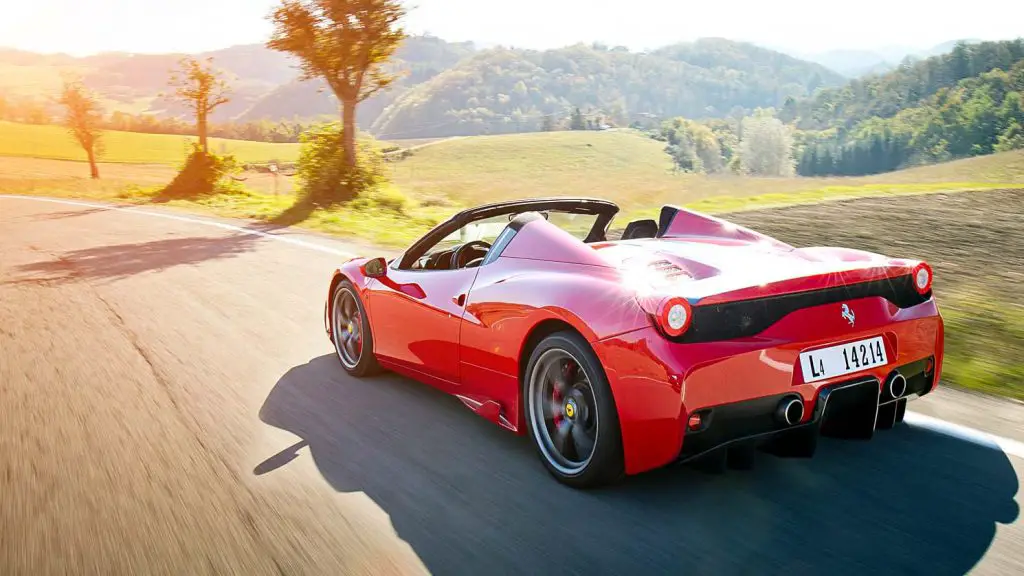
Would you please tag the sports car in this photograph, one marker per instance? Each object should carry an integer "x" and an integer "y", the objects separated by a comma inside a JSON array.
[{"x": 688, "y": 338}]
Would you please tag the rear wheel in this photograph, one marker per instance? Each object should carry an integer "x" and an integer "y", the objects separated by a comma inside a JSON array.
[
  {"x": 350, "y": 331},
  {"x": 571, "y": 413}
]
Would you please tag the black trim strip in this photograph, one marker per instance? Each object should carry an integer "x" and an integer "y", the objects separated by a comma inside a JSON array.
[{"x": 712, "y": 322}]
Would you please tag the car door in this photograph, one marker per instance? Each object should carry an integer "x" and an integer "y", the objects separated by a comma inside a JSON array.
[{"x": 417, "y": 315}]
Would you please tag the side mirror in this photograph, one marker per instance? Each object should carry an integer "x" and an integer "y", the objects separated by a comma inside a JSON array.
[{"x": 376, "y": 268}]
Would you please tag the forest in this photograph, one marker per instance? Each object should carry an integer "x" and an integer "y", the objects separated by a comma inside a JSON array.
[{"x": 956, "y": 105}]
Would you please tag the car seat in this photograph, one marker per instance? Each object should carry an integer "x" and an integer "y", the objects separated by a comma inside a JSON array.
[{"x": 640, "y": 229}]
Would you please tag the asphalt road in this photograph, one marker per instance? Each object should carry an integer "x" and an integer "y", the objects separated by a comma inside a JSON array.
[{"x": 169, "y": 404}]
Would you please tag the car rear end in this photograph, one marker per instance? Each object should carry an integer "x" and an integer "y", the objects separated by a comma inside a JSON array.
[{"x": 838, "y": 353}]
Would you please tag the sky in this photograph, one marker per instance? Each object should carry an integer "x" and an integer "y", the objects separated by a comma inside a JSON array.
[{"x": 799, "y": 26}]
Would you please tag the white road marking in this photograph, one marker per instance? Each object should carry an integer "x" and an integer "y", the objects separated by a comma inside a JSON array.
[
  {"x": 133, "y": 210},
  {"x": 1005, "y": 445}
]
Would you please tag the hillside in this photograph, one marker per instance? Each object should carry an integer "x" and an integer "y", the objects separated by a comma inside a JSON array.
[
  {"x": 885, "y": 95},
  {"x": 977, "y": 115},
  {"x": 509, "y": 90},
  {"x": 634, "y": 170},
  {"x": 53, "y": 142}
]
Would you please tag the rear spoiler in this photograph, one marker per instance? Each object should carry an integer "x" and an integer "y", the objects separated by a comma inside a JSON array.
[{"x": 676, "y": 222}]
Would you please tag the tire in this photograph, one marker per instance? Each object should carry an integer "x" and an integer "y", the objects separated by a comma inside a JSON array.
[
  {"x": 348, "y": 316},
  {"x": 586, "y": 408}
]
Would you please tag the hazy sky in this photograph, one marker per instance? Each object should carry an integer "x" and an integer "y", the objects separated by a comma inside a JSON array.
[{"x": 88, "y": 26}]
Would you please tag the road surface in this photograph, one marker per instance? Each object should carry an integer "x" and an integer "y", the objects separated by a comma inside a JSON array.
[{"x": 169, "y": 404}]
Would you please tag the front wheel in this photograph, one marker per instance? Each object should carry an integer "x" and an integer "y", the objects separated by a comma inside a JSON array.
[
  {"x": 350, "y": 331},
  {"x": 571, "y": 414}
]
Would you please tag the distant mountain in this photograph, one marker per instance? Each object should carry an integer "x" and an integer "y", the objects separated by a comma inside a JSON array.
[{"x": 854, "y": 63}]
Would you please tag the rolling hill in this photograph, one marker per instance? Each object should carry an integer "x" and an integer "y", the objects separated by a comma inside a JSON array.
[{"x": 509, "y": 90}]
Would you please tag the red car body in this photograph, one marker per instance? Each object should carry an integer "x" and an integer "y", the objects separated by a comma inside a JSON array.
[{"x": 755, "y": 305}]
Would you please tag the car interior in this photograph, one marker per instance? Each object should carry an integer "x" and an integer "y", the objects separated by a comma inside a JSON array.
[{"x": 468, "y": 246}]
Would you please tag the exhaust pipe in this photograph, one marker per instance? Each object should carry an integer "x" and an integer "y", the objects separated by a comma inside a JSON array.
[
  {"x": 897, "y": 385},
  {"x": 790, "y": 411}
]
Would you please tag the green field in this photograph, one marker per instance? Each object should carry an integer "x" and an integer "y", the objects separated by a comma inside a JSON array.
[
  {"x": 634, "y": 171},
  {"x": 53, "y": 142}
]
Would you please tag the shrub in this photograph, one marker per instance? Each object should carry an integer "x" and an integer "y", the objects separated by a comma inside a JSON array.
[
  {"x": 202, "y": 174},
  {"x": 323, "y": 176}
]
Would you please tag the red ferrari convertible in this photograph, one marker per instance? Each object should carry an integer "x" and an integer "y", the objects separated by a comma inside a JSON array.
[{"x": 688, "y": 338}]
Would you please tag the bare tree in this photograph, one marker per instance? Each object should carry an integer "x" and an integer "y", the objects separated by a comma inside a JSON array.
[
  {"x": 202, "y": 89},
  {"x": 345, "y": 42},
  {"x": 83, "y": 120}
]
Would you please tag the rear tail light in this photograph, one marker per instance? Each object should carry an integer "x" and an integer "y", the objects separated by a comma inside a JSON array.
[
  {"x": 922, "y": 276},
  {"x": 674, "y": 316}
]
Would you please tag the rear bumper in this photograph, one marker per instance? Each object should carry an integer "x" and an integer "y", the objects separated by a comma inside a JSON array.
[
  {"x": 659, "y": 384},
  {"x": 847, "y": 409}
]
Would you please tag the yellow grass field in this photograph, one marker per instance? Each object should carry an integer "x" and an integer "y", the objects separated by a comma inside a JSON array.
[{"x": 53, "y": 142}]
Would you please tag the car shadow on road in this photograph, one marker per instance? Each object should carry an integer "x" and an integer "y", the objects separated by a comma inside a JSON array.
[
  {"x": 122, "y": 260},
  {"x": 469, "y": 497}
]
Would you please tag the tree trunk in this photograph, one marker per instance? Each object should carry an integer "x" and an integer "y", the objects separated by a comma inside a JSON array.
[
  {"x": 94, "y": 170},
  {"x": 348, "y": 136},
  {"x": 201, "y": 128}
]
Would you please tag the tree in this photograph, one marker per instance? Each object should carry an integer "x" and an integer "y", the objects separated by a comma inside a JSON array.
[
  {"x": 547, "y": 123},
  {"x": 344, "y": 42},
  {"x": 693, "y": 146},
  {"x": 202, "y": 89},
  {"x": 767, "y": 147},
  {"x": 83, "y": 119},
  {"x": 577, "y": 122}
]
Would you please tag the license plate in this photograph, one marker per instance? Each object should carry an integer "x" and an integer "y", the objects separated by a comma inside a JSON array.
[{"x": 844, "y": 359}]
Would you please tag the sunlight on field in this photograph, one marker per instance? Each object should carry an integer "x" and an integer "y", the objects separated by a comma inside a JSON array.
[
  {"x": 53, "y": 142},
  {"x": 632, "y": 170}
]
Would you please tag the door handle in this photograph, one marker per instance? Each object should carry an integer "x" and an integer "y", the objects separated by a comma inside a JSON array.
[{"x": 460, "y": 300}]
